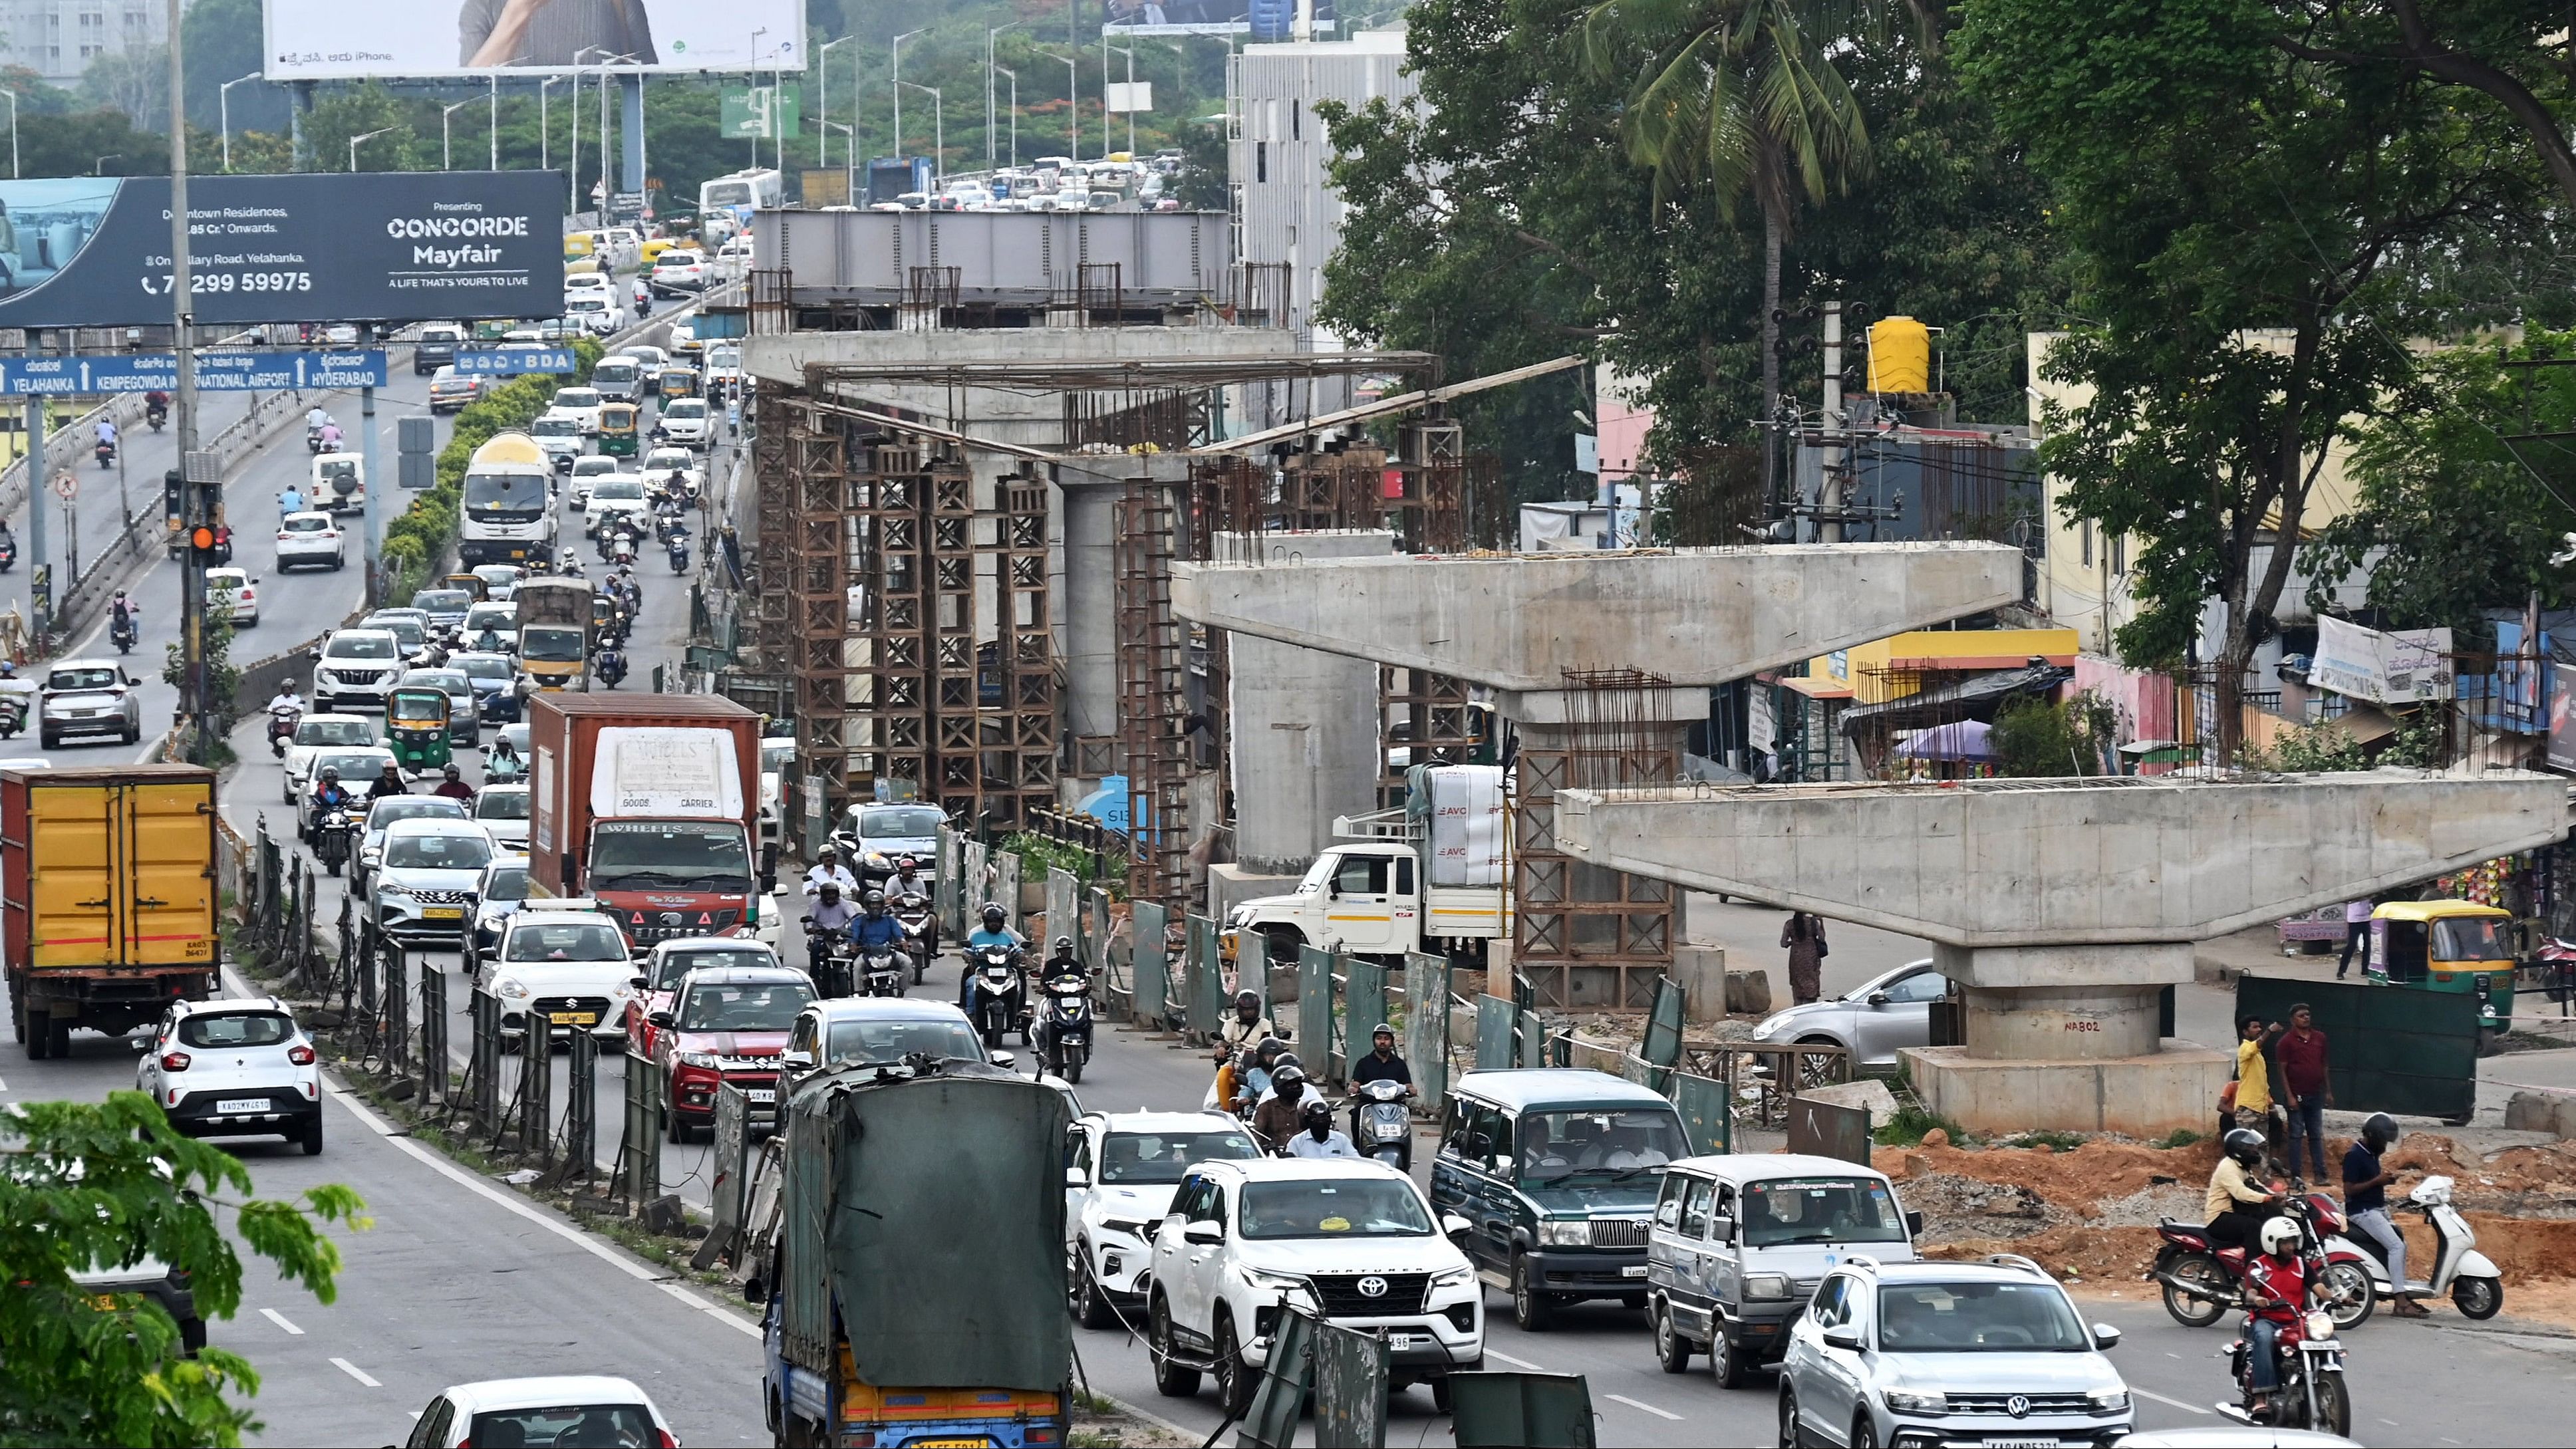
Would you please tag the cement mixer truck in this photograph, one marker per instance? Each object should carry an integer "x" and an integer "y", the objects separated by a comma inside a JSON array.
[{"x": 1428, "y": 876}]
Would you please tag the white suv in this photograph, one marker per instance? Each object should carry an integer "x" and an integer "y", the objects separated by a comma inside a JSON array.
[
  {"x": 1352, "y": 1241},
  {"x": 1904, "y": 1353},
  {"x": 235, "y": 1068},
  {"x": 1118, "y": 1190},
  {"x": 562, "y": 966},
  {"x": 357, "y": 667}
]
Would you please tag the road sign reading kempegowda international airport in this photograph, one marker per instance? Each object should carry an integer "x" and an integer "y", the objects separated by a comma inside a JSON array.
[{"x": 89, "y": 251}]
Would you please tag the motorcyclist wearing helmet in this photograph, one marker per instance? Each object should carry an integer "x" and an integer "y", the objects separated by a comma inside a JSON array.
[
  {"x": 1249, "y": 1022},
  {"x": 1319, "y": 1139},
  {"x": 1382, "y": 1064},
  {"x": 2236, "y": 1205},
  {"x": 452, "y": 785},
  {"x": 907, "y": 879},
  {"x": 827, "y": 867},
  {"x": 2365, "y": 1201},
  {"x": 2276, "y": 1285},
  {"x": 829, "y": 916},
  {"x": 1252, "y": 1074},
  {"x": 1283, "y": 1111},
  {"x": 995, "y": 931},
  {"x": 328, "y": 795},
  {"x": 1061, "y": 961},
  {"x": 388, "y": 783},
  {"x": 876, "y": 929}
]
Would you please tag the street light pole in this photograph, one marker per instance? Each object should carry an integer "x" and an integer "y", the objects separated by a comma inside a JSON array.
[
  {"x": 1072, "y": 113},
  {"x": 494, "y": 163},
  {"x": 545, "y": 132},
  {"x": 199, "y": 512},
  {"x": 1105, "y": 48},
  {"x": 990, "y": 88},
  {"x": 13, "y": 134},
  {"x": 1015, "y": 119},
  {"x": 938, "y": 135},
  {"x": 446, "y": 141},
  {"x": 898, "y": 90},
  {"x": 223, "y": 112},
  {"x": 823, "y": 98},
  {"x": 356, "y": 141}
]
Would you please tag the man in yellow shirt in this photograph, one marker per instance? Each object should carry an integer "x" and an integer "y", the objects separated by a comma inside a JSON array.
[{"x": 2253, "y": 1079}]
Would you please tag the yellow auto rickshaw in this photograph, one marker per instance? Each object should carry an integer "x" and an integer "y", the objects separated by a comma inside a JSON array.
[
  {"x": 2454, "y": 946},
  {"x": 678, "y": 382},
  {"x": 416, "y": 728},
  {"x": 617, "y": 434},
  {"x": 474, "y": 584}
]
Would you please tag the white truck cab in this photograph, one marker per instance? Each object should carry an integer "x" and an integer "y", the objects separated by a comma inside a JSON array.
[{"x": 1415, "y": 878}]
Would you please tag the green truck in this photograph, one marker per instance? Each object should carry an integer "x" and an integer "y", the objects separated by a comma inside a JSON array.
[{"x": 916, "y": 1267}]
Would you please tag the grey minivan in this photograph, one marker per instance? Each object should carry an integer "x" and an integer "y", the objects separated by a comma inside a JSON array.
[{"x": 1739, "y": 1243}]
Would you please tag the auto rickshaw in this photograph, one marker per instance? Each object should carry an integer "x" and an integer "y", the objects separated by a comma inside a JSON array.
[
  {"x": 416, "y": 729},
  {"x": 474, "y": 584},
  {"x": 617, "y": 431},
  {"x": 679, "y": 382},
  {"x": 2454, "y": 946}
]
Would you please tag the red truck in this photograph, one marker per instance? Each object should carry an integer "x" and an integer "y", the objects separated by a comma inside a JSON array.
[{"x": 645, "y": 804}]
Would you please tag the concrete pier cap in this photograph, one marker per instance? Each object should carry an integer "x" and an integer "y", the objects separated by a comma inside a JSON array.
[{"x": 2062, "y": 907}]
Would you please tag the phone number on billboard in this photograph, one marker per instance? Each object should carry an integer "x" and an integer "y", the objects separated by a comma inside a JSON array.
[{"x": 200, "y": 283}]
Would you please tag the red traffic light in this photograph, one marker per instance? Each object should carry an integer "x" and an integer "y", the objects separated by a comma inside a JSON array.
[{"x": 202, "y": 536}]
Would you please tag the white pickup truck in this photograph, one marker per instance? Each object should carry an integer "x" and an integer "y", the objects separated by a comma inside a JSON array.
[{"x": 1418, "y": 878}]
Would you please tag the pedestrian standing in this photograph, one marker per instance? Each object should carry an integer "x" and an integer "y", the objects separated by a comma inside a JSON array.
[
  {"x": 2252, "y": 1102},
  {"x": 1804, "y": 939},
  {"x": 2356, "y": 936},
  {"x": 2305, "y": 1090}
]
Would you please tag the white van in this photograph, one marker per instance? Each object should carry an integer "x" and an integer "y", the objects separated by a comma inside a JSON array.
[{"x": 1739, "y": 1242}]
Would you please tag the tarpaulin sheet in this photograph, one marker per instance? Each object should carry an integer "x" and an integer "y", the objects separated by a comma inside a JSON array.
[
  {"x": 1466, "y": 825},
  {"x": 940, "y": 1205}
]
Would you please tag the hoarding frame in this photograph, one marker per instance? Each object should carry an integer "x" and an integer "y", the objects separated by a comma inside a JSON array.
[{"x": 341, "y": 58}]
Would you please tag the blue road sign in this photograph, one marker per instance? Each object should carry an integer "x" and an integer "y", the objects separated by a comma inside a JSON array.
[
  {"x": 511, "y": 361},
  {"x": 217, "y": 371}
]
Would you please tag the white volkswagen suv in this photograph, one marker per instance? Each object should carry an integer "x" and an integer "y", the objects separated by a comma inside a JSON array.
[
  {"x": 1948, "y": 1353},
  {"x": 234, "y": 1068},
  {"x": 1118, "y": 1190},
  {"x": 1352, "y": 1241}
]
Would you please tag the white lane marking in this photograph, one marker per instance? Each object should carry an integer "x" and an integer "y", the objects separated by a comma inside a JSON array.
[
  {"x": 1518, "y": 1363},
  {"x": 1649, "y": 1408},
  {"x": 729, "y": 1319},
  {"x": 4, "y": 1084},
  {"x": 2170, "y": 1403},
  {"x": 273, "y": 1316},
  {"x": 355, "y": 1372}
]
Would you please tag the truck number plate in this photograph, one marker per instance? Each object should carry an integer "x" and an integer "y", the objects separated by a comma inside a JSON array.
[
  {"x": 573, "y": 1018},
  {"x": 1633, "y": 1270},
  {"x": 761, "y": 1094},
  {"x": 2023, "y": 1443},
  {"x": 242, "y": 1104},
  {"x": 442, "y": 913}
]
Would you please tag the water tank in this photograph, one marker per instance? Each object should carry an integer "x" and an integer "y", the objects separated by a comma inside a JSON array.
[{"x": 1900, "y": 355}]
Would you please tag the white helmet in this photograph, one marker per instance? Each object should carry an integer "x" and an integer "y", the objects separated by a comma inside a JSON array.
[{"x": 2279, "y": 1236}]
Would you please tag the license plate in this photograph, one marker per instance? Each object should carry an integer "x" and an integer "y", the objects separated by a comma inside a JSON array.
[
  {"x": 442, "y": 913},
  {"x": 977, "y": 1442},
  {"x": 573, "y": 1018},
  {"x": 761, "y": 1094},
  {"x": 2023, "y": 1443},
  {"x": 103, "y": 1302},
  {"x": 242, "y": 1104},
  {"x": 1638, "y": 1270},
  {"x": 1399, "y": 1340}
]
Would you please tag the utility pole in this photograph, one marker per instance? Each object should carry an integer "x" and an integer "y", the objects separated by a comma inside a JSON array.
[
  {"x": 40, "y": 601},
  {"x": 201, "y": 484},
  {"x": 375, "y": 480},
  {"x": 1829, "y": 477}
]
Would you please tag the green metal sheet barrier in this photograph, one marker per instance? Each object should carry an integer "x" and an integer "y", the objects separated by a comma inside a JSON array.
[
  {"x": 1315, "y": 1007},
  {"x": 951, "y": 884},
  {"x": 1350, "y": 1388},
  {"x": 1062, "y": 890},
  {"x": 1539, "y": 1411},
  {"x": 2389, "y": 1048},
  {"x": 1096, "y": 925},
  {"x": 1149, "y": 963},
  {"x": 1363, "y": 1007},
  {"x": 1278, "y": 1400},
  {"x": 1662, "y": 1047},
  {"x": 1006, "y": 888},
  {"x": 1496, "y": 1019},
  {"x": 1704, "y": 1108},
  {"x": 1206, "y": 1000},
  {"x": 1426, "y": 1026}
]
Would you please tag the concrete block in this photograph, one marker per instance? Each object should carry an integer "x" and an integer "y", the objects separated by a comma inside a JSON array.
[
  {"x": 2551, "y": 1112},
  {"x": 2144, "y": 1096},
  {"x": 1748, "y": 992},
  {"x": 1701, "y": 972},
  {"x": 1869, "y": 1092}
]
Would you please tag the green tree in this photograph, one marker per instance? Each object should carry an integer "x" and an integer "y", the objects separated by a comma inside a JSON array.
[
  {"x": 84, "y": 1185},
  {"x": 338, "y": 119},
  {"x": 2040, "y": 738},
  {"x": 2244, "y": 223},
  {"x": 1741, "y": 97},
  {"x": 222, "y": 42}
]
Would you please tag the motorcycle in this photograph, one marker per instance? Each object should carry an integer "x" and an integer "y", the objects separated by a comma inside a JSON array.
[
  {"x": 609, "y": 667},
  {"x": 834, "y": 953},
  {"x": 679, "y": 555},
  {"x": 993, "y": 1001},
  {"x": 504, "y": 769},
  {"x": 2202, "y": 1280},
  {"x": 120, "y": 632},
  {"x": 2312, "y": 1392},
  {"x": 106, "y": 453},
  {"x": 1064, "y": 1024},
  {"x": 156, "y": 415},
  {"x": 331, "y": 840},
  {"x": 2469, "y": 1276},
  {"x": 920, "y": 930},
  {"x": 881, "y": 972},
  {"x": 281, "y": 730},
  {"x": 8, "y": 553},
  {"x": 1381, "y": 1127},
  {"x": 14, "y": 709},
  {"x": 313, "y": 437}
]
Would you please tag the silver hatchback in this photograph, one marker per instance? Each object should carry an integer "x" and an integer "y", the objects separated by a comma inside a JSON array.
[{"x": 1873, "y": 1021}]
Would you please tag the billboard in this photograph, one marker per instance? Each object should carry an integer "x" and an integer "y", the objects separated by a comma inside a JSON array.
[
  {"x": 90, "y": 251},
  {"x": 336, "y": 40},
  {"x": 2406, "y": 667},
  {"x": 1262, "y": 20},
  {"x": 760, "y": 113}
]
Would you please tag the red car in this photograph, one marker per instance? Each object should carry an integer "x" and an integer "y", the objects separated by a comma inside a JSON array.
[
  {"x": 727, "y": 1027},
  {"x": 662, "y": 969}
]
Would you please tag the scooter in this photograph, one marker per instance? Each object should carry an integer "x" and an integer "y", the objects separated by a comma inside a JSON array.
[
  {"x": 156, "y": 415},
  {"x": 609, "y": 667},
  {"x": 120, "y": 632},
  {"x": 2312, "y": 1392},
  {"x": 313, "y": 437},
  {"x": 106, "y": 453},
  {"x": 993, "y": 1000},
  {"x": 881, "y": 972},
  {"x": 2469, "y": 1276},
  {"x": 1381, "y": 1127},
  {"x": 15, "y": 706},
  {"x": 331, "y": 841},
  {"x": 920, "y": 930},
  {"x": 8, "y": 554},
  {"x": 281, "y": 730},
  {"x": 679, "y": 554},
  {"x": 1064, "y": 1024},
  {"x": 504, "y": 769}
]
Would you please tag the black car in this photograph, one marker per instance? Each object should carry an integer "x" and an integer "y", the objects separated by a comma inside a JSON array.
[{"x": 435, "y": 349}]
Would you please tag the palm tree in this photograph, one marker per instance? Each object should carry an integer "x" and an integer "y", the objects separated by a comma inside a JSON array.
[{"x": 1740, "y": 97}]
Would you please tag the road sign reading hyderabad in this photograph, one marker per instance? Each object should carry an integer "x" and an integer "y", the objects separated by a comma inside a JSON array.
[
  {"x": 253, "y": 371},
  {"x": 89, "y": 251}
]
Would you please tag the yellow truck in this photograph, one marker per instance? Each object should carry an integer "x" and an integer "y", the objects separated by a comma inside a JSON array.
[
  {"x": 554, "y": 631},
  {"x": 107, "y": 897}
]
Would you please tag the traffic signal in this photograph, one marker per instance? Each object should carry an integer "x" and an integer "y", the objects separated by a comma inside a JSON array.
[
  {"x": 203, "y": 546},
  {"x": 174, "y": 494}
]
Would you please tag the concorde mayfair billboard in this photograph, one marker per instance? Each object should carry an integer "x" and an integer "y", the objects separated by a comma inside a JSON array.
[{"x": 89, "y": 251}]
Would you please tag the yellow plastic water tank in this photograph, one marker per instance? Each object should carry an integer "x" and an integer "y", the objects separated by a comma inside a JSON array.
[{"x": 1900, "y": 355}]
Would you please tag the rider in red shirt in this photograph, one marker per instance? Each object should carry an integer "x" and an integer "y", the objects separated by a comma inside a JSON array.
[{"x": 2276, "y": 1281}]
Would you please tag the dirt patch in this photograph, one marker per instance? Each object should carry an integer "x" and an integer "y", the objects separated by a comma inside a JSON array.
[
  {"x": 2077, "y": 1181},
  {"x": 1957, "y": 1208}
]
